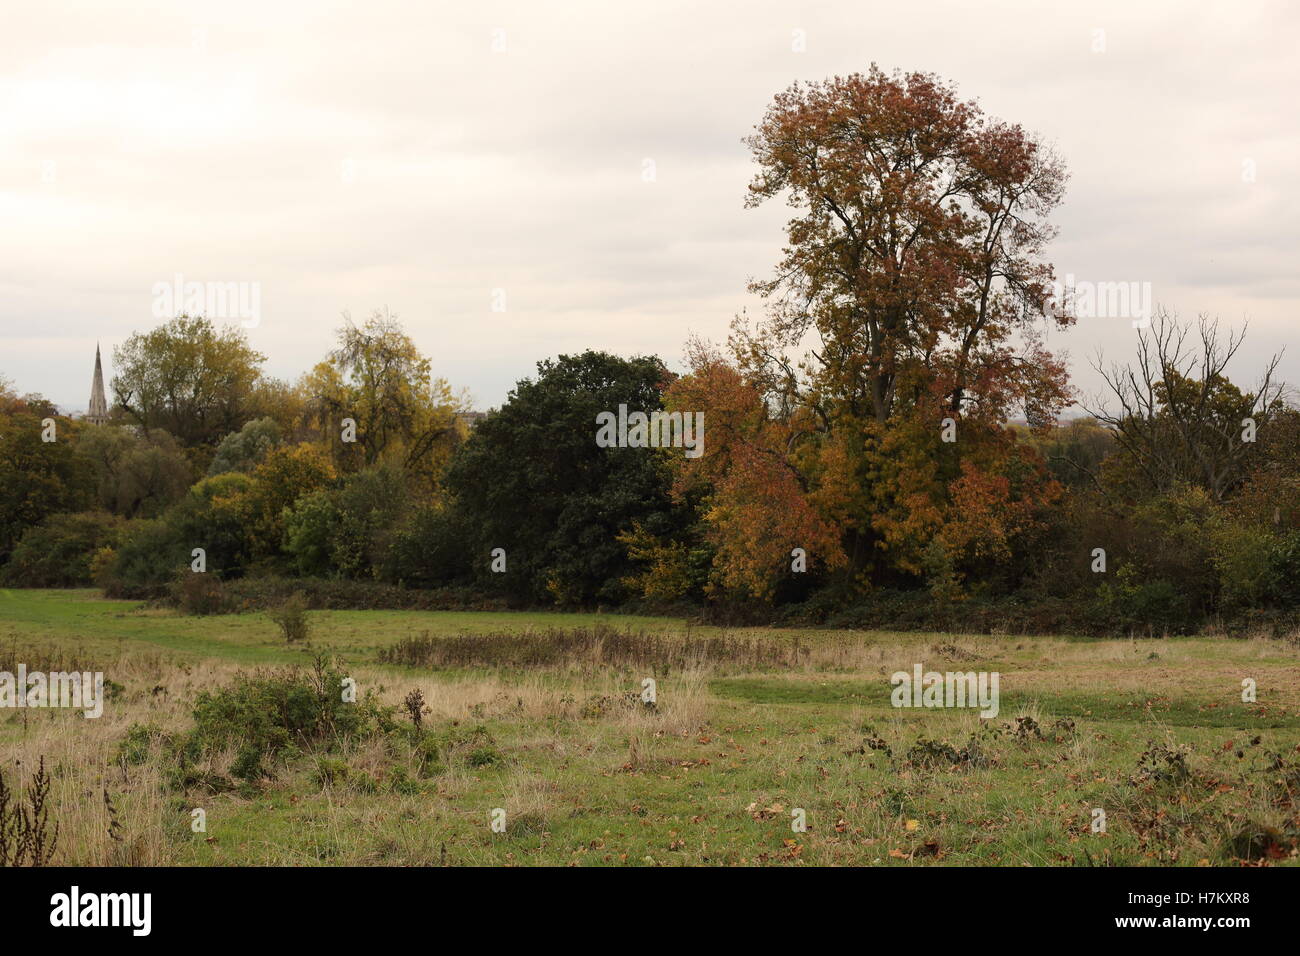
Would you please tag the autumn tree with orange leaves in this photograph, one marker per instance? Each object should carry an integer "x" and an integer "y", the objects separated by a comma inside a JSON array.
[{"x": 911, "y": 292}]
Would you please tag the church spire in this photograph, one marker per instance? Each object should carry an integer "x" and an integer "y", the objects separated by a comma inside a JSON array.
[{"x": 98, "y": 413}]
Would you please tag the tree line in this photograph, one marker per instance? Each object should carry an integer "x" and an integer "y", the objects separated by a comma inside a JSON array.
[{"x": 884, "y": 446}]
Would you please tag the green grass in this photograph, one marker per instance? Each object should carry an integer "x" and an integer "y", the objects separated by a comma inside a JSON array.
[
  {"x": 1129, "y": 708},
  {"x": 712, "y": 775},
  {"x": 99, "y": 624}
]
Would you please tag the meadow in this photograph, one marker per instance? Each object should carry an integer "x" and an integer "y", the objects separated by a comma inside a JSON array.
[{"x": 541, "y": 715}]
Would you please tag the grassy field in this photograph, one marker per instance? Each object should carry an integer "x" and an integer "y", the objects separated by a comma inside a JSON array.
[{"x": 527, "y": 715}]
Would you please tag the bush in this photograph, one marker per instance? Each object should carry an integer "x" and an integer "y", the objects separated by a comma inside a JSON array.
[
  {"x": 134, "y": 749},
  {"x": 267, "y": 715},
  {"x": 415, "y": 709},
  {"x": 38, "y": 478},
  {"x": 58, "y": 553},
  {"x": 215, "y": 516},
  {"x": 920, "y": 611},
  {"x": 291, "y": 616},
  {"x": 150, "y": 553},
  {"x": 199, "y": 593},
  {"x": 483, "y": 757},
  {"x": 1284, "y": 558}
]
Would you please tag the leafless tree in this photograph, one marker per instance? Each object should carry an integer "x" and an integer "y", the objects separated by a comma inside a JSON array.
[{"x": 1174, "y": 412}]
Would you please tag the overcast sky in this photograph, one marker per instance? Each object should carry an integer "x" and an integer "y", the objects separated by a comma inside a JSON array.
[{"x": 419, "y": 156}]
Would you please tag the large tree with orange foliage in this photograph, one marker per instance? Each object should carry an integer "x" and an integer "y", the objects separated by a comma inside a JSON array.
[{"x": 911, "y": 289}]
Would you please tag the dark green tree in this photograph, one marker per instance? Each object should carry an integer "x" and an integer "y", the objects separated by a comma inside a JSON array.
[{"x": 532, "y": 480}]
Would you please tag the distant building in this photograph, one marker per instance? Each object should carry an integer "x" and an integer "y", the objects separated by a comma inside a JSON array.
[
  {"x": 470, "y": 419},
  {"x": 98, "y": 412}
]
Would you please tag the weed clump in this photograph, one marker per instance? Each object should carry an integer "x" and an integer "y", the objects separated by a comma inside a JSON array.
[
  {"x": 927, "y": 753},
  {"x": 27, "y": 835},
  {"x": 330, "y": 770},
  {"x": 1027, "y": 729},
  {"x": 871, "y": 743},
  {"x": 1161, "y": 764},
  {"x": 415, "y": 709}
]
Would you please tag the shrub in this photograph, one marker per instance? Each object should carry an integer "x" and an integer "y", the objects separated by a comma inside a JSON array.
[
  {"x": 429, "y": 753},
  {"x": 483, "y": 757},
  {"x": 1285, "y": 560},
  {"x": 927, "y": 754},
  {"x": 38, "y": 478},
  {"x": 1243, "y": 562},
  {"x": 288, "y": 474},
  {"x": 268, "y": 715},
  {"x": 215, "y": 516},
  {"x": 135, "y": 747},
  {"x": 1162, "y": 764},
  {"x": 199, "y": 593},
  {"x": 348, "y": 530},
  {"x": 212, "y": 516},
  {"x": 291, "y": 616},
  {"x": 472, "y": 747}
]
